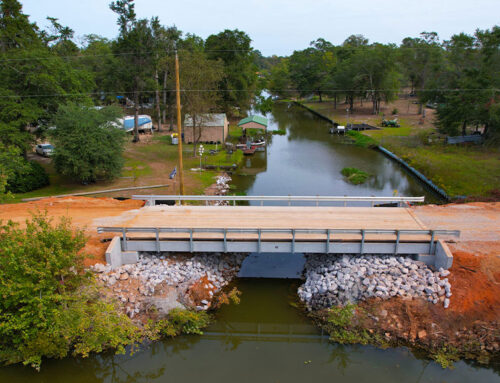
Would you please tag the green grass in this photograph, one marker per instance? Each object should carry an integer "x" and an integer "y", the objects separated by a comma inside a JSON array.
[
  {"x": 460, "y": 171},
  {"x": 136, "y": 168},
  {"x": 235, "y": 131},
  {"x": 360, "y": 139},
  {"x": 379, "y": 135},
  {"x": 355, "y": 176},
  {"x": 221, "y": 158}
]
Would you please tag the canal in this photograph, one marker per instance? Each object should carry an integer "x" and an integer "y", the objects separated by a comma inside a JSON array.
[
  {"x": 308, "y": 161},
  {"x": 267, "y": 337}
]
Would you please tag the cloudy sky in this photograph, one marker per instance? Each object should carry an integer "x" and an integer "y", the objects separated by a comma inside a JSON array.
[{"x": 281, "y": 26}]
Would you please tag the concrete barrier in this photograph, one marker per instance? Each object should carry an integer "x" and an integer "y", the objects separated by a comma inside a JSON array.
[
  {"x": 116, "y": 257},
  {"x": 442, "y": 258}
]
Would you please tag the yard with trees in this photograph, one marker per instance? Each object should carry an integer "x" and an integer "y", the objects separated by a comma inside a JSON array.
[{"x": 46, "y": 76}]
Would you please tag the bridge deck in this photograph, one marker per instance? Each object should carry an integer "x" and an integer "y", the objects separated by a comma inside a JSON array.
[{"x": 273, "y": 217}]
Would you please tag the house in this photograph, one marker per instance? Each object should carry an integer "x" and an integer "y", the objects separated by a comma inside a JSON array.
[
  {"x": 253, "y": 122},
  {"x": 213, "y": 127},
  {"x": 145, "y": 123}
]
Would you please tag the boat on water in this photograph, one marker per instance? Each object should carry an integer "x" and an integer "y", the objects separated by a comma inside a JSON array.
[
  {"x": 260, "y": 142},
  {"x": 249, "y": 151}
]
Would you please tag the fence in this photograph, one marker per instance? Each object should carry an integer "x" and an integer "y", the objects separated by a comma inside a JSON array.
[{"x": 152, "y": 200}]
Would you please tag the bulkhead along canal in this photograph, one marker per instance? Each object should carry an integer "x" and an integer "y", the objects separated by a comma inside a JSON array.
[{"x": 268, "y": 337}]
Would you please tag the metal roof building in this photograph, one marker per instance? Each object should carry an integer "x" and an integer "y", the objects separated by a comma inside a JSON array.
[{"x": 254, "y": 122}]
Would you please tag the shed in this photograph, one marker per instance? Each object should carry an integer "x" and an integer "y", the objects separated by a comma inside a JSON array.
[
  {"x": 212, "y": 127},
  {"x": 254, "y": 122}
]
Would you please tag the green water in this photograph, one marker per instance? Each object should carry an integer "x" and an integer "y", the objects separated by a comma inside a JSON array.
[
  {"x": 308, "y": 161},
  {"x": 264, "y": 339}
]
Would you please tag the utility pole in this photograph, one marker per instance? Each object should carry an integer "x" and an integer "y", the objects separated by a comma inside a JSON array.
[{"x": 179, "y": 123}]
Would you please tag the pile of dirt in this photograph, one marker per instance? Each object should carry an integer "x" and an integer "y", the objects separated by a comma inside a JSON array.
[{"x": 83, "y": 212}]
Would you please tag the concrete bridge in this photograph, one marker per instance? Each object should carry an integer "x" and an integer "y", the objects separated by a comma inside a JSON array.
[{"x": 278, "y": 229}]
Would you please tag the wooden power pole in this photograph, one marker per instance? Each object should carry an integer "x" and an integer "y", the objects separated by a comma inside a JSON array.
[{"x": 179, "y": 124}]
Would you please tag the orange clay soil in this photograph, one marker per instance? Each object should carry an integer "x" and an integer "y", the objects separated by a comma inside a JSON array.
[
  {"x": 475, "y": 274},
  {"x": 471, "y": 323},
  {"x": 83, "y": 211}
]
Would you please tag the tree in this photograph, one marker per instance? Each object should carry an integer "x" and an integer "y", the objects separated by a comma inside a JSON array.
[
  {"x": 375, "y": 73},
  {"x": 35, "y": 81},
  {"x": 135, "y": 47},
  {"x": 88, "y": 147},
  {"x": 97, "y": 58},
  {"x": 421, "y": 59},
  {"x": 199, "y": 79},
  {"x": 279, "y": 82},
  {"x": 238, "y": 85},
  {"x": 11, "y": 162},
  {"x": 468, "y": 87}
]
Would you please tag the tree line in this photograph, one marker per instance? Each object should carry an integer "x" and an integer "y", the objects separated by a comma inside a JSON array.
[
  {"x": 459, "y": 76},
  {"x": 45, "y": 72}
]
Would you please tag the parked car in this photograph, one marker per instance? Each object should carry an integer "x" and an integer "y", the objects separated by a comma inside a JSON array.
[{"x": 44, "y": 149}]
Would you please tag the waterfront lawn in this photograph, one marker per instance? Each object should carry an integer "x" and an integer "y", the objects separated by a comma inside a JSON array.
[
  {"x": 472, "y": 171},
  {"x": 148, "y": 162},
  {"x": 460, "y": 171}
]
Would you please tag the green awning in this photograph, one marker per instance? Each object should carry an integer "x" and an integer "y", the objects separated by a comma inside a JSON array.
[{"x": 257, "y": 119}]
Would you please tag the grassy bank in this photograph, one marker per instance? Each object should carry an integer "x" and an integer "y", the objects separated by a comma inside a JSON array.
[
  {"x": 354, "y": 324},
  {"x": 472, "y": 171}
]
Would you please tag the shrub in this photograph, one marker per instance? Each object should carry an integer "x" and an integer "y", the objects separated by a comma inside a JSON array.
[
  {"x": 33, "y": 176},
  {"x": 355, "y": 176},
  {"x": 188, "y": 322},
  {"x": 395, "y": 111},
  {"x": 49, "y": 306},
  {"x": 280, "y": 132}
]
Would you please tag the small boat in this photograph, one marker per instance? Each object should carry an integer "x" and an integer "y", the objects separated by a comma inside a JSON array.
[
  {"x": 260, "y": 142},
  {"x": 241, "y": 146},
  {"x": 249, "y": 151}
]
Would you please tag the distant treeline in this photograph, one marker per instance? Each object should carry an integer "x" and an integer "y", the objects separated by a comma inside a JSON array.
[{"x": 460, "y": 76}]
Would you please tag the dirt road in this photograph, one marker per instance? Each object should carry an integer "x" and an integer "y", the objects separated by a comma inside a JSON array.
[{"x": 83, "y": 211}]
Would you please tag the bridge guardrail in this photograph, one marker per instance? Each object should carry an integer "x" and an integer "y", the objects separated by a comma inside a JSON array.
[
  {"x": 152, "y": 199},
  {"x": 291, "y": 232}
]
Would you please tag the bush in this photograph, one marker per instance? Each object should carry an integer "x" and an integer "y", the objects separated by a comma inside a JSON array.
[
  {"x": 49, "y": 306},
  {"x": 279, "y": 132},
  {"x": 355, "y": 176},
  {"x": 395, "y": 111},
  {"x": 33, "y": 176}
]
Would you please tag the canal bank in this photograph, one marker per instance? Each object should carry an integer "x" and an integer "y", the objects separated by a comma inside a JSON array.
[
  {"x": 463, "y": 171},
  {"x": 392, "y": 156},
  {"x": 266, "y": 338}
]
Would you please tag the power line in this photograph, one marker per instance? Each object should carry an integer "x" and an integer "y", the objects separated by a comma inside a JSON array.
[{"x": 495, "y": 90}]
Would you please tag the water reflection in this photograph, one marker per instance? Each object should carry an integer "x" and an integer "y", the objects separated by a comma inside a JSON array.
[
  {"x": 308, "y": 161},
  {"x": 264, "y": 339}
]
